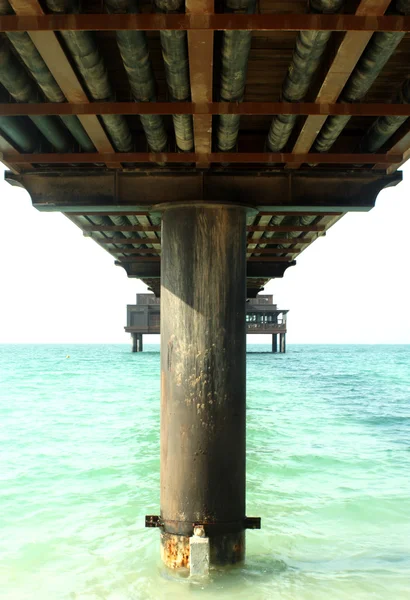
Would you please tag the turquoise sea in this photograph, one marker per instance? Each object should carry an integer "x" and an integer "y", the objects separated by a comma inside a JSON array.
[{"x": 328, "y": 447}]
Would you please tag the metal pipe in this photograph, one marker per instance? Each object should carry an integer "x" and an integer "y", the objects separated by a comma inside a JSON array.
[
  {"x": 175, "y": 54},
  {"x": 236, "y": 46},
  {"x": 22, "y": 88},
  {"x": 378, "y": 51},
  {"x": 29, "y": 54},
  {"x": 384, "y": 127},
  {"x": 135, "y": 56},
  {"x": 84, "y": 50},
  {"x": 19, "y": 131},
  {"x": 308, "y": 53},
  {"x": 15, "y": 130}
]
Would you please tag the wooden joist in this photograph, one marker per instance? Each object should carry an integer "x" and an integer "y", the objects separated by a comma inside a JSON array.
[
  {"x": 205, "y": 109},
  {"x": 199, "y": 22},
  {"x": 201, "y": 58}
]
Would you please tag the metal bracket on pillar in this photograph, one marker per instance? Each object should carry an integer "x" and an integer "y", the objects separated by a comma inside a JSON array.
[
  {"x": 252, "y": 523},
  {"x": 153, "y": 521}
]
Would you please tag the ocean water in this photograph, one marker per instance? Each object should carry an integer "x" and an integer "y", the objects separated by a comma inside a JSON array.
[{"x": 328, "y": 467}]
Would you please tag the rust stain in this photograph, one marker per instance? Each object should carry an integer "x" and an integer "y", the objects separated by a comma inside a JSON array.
[{"x": 175, "y": 550}]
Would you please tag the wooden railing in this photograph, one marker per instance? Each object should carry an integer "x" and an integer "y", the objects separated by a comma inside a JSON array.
[{"x": 266, "y": 326}]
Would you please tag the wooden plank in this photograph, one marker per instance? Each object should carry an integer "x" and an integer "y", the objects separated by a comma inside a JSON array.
[
  {"x": 201, "y": 22},
  {"x": 53, "y": 55},
  {"x": 215, "y": 157},
  {"x": 201, "y": 57},
  {"x": 345, "y": 60},
  {"x": 204, "y": 108}
]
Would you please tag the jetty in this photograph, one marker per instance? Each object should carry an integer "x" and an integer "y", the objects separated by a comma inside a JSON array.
[
  {"x": 205, "y": 145},
  {"x": 262, "y": 317}
]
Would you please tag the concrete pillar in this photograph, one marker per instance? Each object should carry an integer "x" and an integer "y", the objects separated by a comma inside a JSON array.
[
  {"x": 274, "y": 342},
  {"x": 203, "y": 371},
  {"x": 134, "y": 342},
  {"x": 283, "y": 343},
  {"x": 137, "y": 345}
]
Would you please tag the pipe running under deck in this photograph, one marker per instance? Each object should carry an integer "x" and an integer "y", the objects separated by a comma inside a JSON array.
[
  {"x": 174, "y": 46},
  {"x": 84, "y": 50},
  {"x": 236, "y": 46},
  {"x": 378, "y": 51},
  {"x": 306, "y": 59},
  {"x": 22, "y": 88},
  {"x": 137, "y": 62}
]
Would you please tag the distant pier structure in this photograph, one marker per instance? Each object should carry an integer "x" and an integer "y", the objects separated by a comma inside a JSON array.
[{"x": 262, "y": 316}]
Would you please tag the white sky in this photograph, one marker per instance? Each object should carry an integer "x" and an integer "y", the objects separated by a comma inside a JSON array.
[{"x": 351, "y": 286}]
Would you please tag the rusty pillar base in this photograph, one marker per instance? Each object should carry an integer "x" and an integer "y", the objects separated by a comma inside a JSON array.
[{"x": 228, "y": 549}]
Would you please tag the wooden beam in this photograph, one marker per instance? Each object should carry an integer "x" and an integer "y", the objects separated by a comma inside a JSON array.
[
  {"x": 126, "y": 213},
  {"x": 201, "y": 58},
  {"x": 200, "y": 22},
  {"x": 115, "y": 251},
  {"x": 268, "y": 251},
  {"x": 285, "y": 229},
  {"x": 137, "y": 259},
  {"x": 278, "y": 251},
  {"x": 119, "y": 240},
  {"x": 297, "y": 213},
  {"x": 215, "y": 157},
  {"x": 60, "y": 67},
  {"x": 344, "y": 61},
  {"x": 204, "y": 109},
  {"x": 135, "y": 228},
  {"x": 153, "y": 228},
  {"x": 294, "y": 241}
]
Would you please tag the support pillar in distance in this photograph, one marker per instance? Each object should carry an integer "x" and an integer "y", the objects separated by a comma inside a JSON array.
[
  {"x": 137, "y": 345},
  {"x": 203, "y": 386},
  {"x": 283, "y": 343},
  {"x": 274, "y": 343}
]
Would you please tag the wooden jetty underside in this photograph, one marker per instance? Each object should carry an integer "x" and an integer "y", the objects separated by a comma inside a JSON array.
[{"x": 111, "y": 185}]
